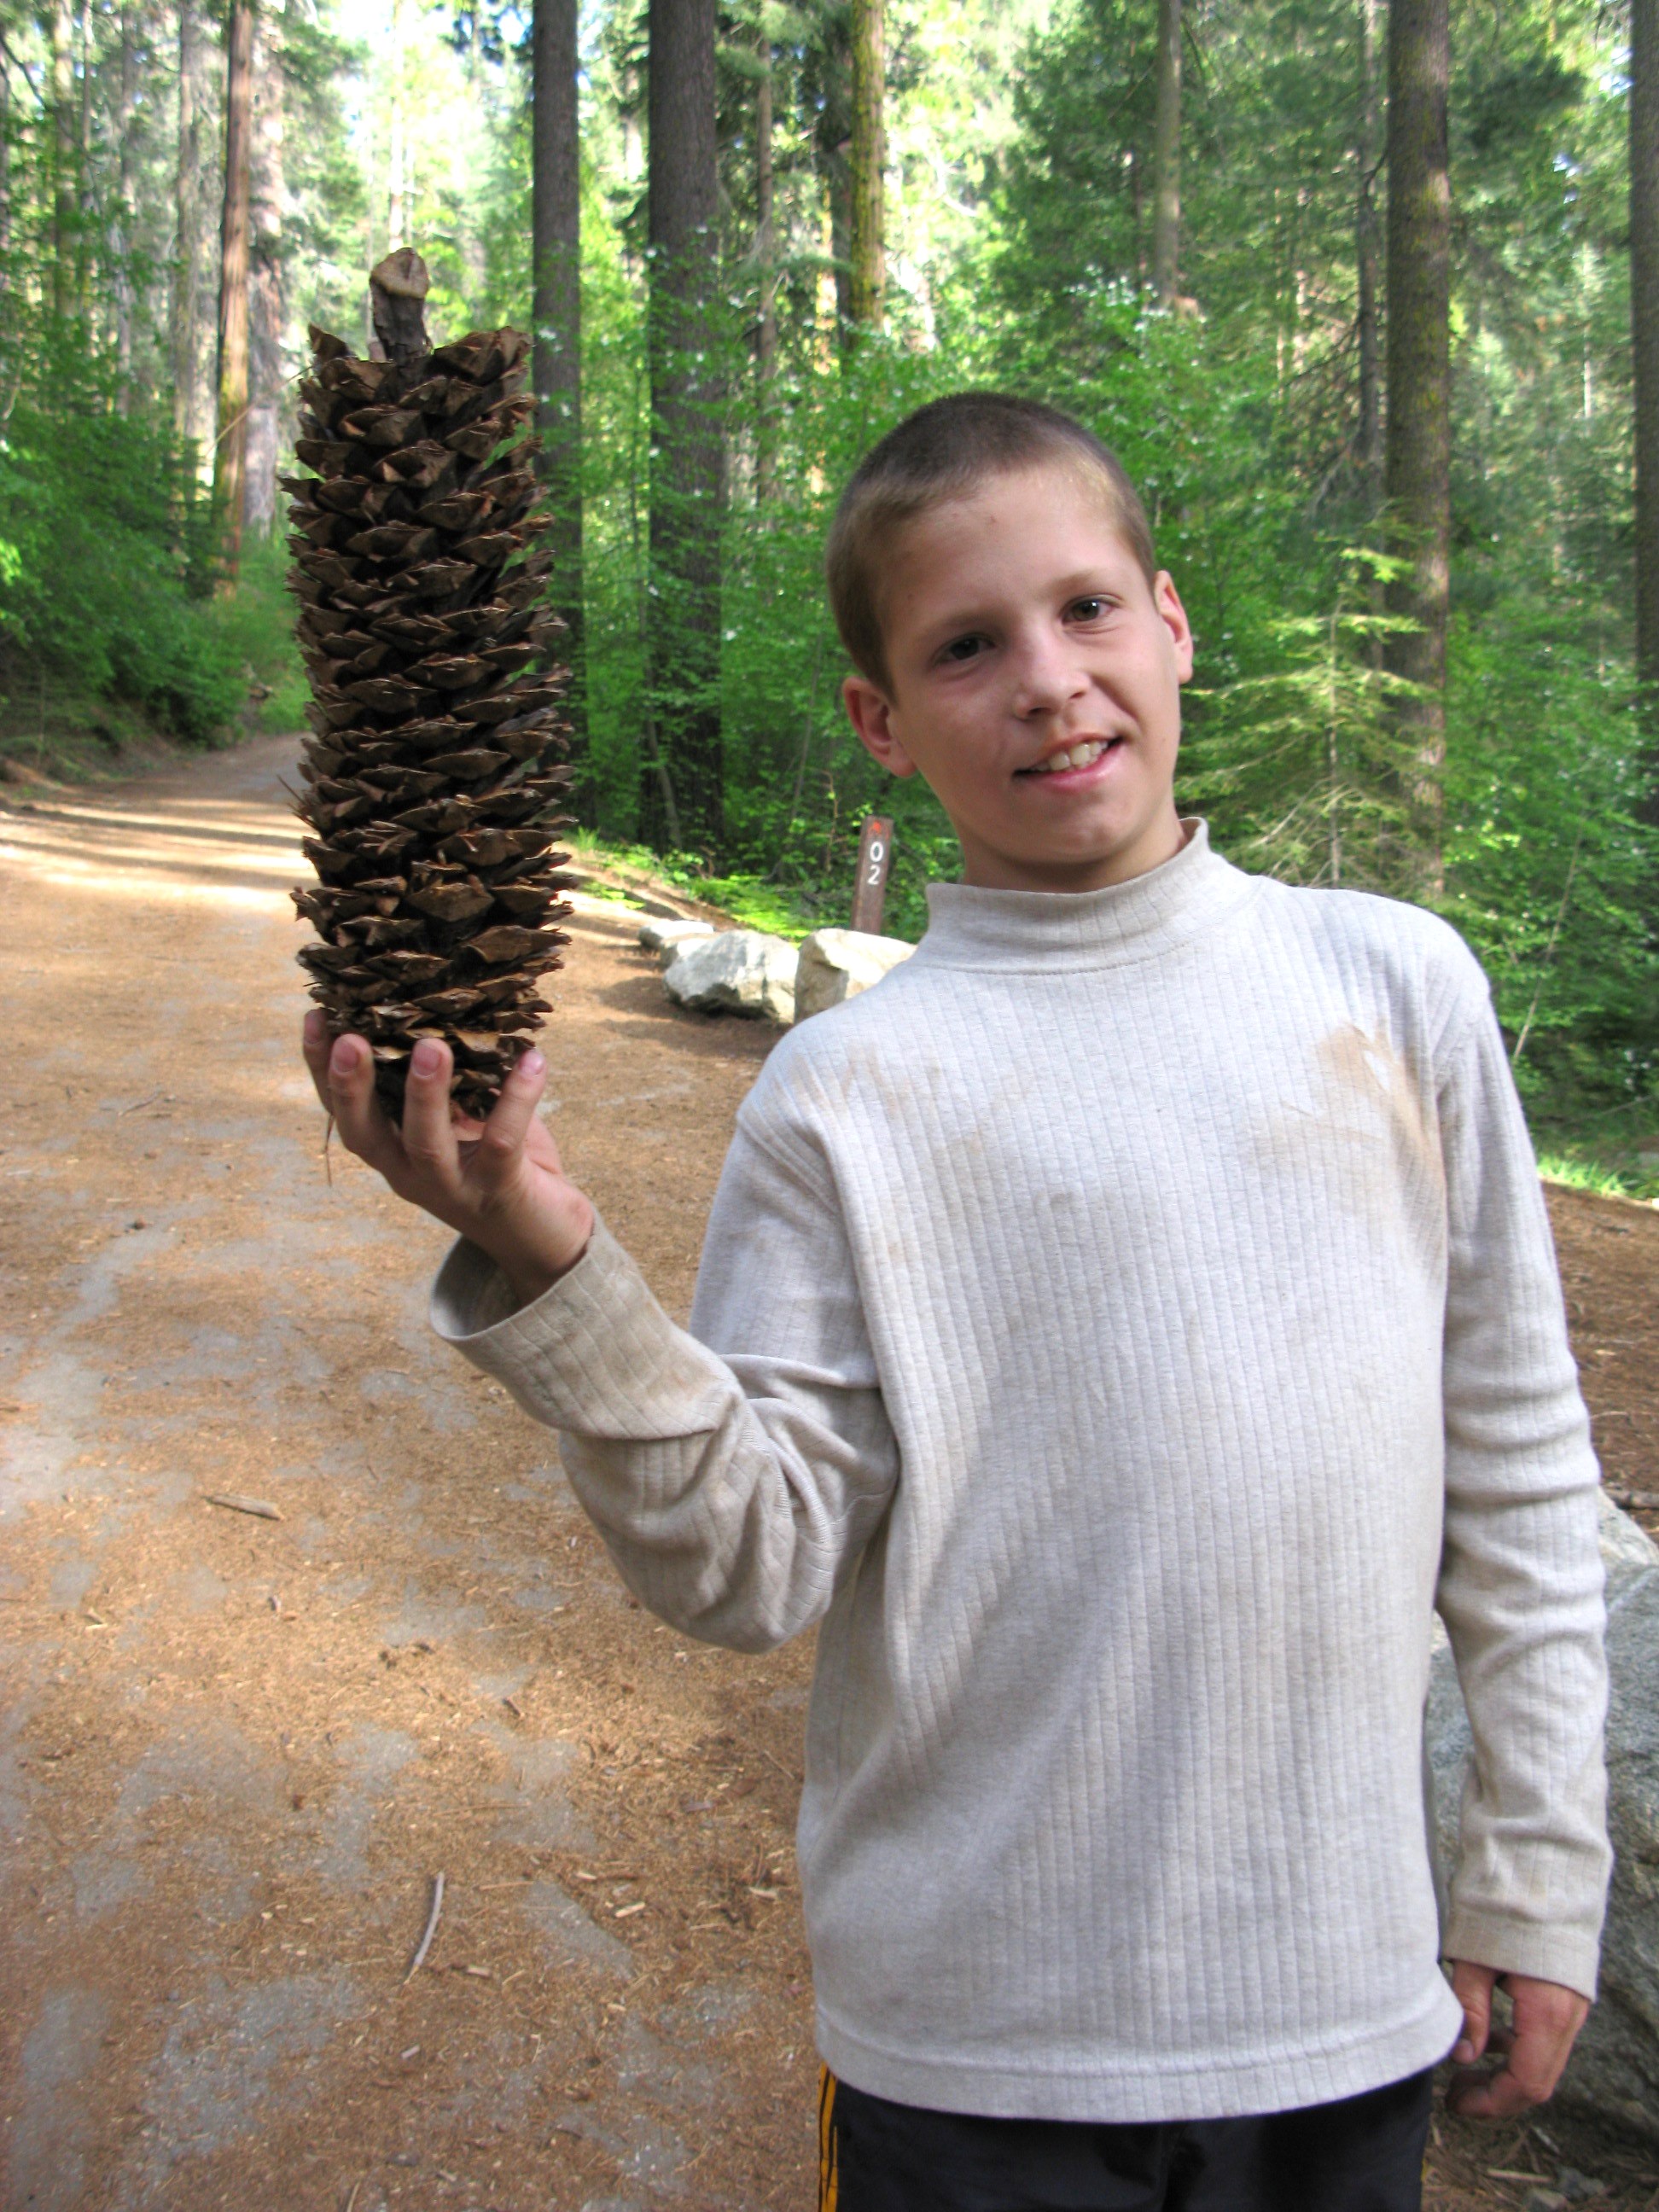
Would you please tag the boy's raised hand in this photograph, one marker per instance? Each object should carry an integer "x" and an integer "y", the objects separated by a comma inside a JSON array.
[{"x": 498, "y": 1182}]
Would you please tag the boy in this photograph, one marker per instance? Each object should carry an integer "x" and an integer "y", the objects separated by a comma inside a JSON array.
[{"x": 1118, "y": 1331}]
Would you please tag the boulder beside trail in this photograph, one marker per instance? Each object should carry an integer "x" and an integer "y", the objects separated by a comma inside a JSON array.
[
  {"x": 1615, "y": 2069},
  {"x": 838, "y": 964},
  {"x": 666, "y": 933},
  {"x": 735, "y": 971}
]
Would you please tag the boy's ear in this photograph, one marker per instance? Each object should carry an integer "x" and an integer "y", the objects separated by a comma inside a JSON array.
[
  {"x": 1167, "y": 600},
  {"x": 870, "y": 713}
]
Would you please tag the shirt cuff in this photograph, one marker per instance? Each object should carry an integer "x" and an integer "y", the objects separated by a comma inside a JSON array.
[
  {"x": 1565, "y": 1955},
  {"x": 594, "y": 1354}
]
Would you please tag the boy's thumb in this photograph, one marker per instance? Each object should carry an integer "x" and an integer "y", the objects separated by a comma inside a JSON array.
[{"x": 1472, "y": 1985}]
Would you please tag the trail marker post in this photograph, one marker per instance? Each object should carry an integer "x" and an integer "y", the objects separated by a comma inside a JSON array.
[{"x": 875, "y": 858}]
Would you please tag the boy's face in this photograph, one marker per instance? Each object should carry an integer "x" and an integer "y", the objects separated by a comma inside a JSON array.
[{"x": 1020, "y": 628}]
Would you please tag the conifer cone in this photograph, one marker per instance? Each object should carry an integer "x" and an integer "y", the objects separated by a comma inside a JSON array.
[{"x": 431, "y": 772}]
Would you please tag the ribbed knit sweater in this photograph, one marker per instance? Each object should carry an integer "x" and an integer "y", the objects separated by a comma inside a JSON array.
[{"x": 1120, "y": 1329}]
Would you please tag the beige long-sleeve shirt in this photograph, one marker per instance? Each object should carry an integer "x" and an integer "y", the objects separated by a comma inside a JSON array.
[{"x": 1119, "y": 1330}]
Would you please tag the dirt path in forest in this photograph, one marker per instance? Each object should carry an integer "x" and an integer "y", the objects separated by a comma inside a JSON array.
[{"x": 235, "y": 1751}]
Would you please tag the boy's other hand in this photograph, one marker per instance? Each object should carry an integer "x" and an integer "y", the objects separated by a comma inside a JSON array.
[
  {"x": 498, "y": 1182},
  {"x": 1534, "y": 2050}
]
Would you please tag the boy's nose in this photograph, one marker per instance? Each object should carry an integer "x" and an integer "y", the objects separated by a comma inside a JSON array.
[{"x": 1046, "y": 676}]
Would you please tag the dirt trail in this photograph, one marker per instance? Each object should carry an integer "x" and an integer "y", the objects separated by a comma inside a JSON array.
[{"x": 235, "y": 1751}]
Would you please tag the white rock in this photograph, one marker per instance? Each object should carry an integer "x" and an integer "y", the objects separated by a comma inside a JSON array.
[
  {"x": 1614, "y": 2067},
  {"x": 838, "y": 964},
  {"x": 664, "y": 932},
  {"x": 735, "y": 971}
]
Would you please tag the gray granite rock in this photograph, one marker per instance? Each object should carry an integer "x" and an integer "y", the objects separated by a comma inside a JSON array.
[
  {"x": 736, "y": 971},
  {"x": 666, "y": 933},
  {"x": 838, "y": 964},
  {"x": 1614, "y": 2070}
]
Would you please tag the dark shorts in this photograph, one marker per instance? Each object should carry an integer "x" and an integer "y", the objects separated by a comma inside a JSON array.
[{"x": 1362, "y": 2154}]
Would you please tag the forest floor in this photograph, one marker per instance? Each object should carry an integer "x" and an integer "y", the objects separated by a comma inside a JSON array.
[{"x": 235, "y": 1750}]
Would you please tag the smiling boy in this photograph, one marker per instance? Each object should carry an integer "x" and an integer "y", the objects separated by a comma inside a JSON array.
[{"x": 1118, "y": 1332}]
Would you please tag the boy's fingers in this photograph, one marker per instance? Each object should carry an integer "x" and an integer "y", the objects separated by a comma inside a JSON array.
[
  {"x": 429, "y": 1125},
  {"x": 1473, "y": 1985},
  {"x": 513, "y": 1113},
  {"x": 1548, "y": 2019},
  {"x": 363, "y": 1127},
  {"x": 313, "y": 1042}
]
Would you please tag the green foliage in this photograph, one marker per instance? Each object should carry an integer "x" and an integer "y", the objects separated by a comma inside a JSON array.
[
  {"x": 1610, "y": 1171},
  {"x": 254, "y": 625},
  {"x": 1304, "y": 764},
  {"x": 1550, "y": 870},
  {"x": 104, "y": 538}
]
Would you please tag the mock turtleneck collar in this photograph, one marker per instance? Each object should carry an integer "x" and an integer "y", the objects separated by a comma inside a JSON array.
[{"x": 1014, "y": 931}]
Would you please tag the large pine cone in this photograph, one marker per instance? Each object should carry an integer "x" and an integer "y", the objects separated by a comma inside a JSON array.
[{"x": 430, "y": 771}]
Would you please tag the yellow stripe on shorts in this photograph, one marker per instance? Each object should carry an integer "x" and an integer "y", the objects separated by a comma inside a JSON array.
[{"x": 829, "y": 2149}]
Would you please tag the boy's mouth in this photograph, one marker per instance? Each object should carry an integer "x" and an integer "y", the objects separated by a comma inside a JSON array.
[{"x": 1084, "y": 753}]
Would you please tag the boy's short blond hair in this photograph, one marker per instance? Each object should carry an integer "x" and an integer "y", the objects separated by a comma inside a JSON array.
[{"x": 941, "y": 452}]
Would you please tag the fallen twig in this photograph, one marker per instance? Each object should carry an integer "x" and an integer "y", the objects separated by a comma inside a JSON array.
[
  {"x": 419, "y": 1959},
  {"x": 260, "y": 1508}
]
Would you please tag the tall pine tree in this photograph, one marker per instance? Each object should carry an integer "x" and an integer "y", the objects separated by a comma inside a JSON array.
[{"x": 682, "y": 779}]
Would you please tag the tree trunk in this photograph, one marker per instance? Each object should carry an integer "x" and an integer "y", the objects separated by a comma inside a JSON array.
[
  {"x": 230, "y": 447},
  {"x": 556, "y": 320},
  {"x": 867, "y": 276},
  {"x": 1645, "y": 334},
  {"x": 681, "y": 785},
  {"x": 766, "y": 337},
  {"x": 267, "y": 315},
  {"x": 187, "y": 235},
  {"x": 65, "y": 195},
  {"x": 125, "y": 137},
  {"x": 832, "y": 137},
  {"x": 1166, "y": 157},
  {"x": 1419, "y": 441},
  {"x": 85, "y": 290},
  {"x": 1368, "y": 440},
  {"x": 6, "y": 282}
]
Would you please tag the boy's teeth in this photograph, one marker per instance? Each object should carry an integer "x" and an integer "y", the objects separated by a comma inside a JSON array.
[{"x": 1079, "y": 756}]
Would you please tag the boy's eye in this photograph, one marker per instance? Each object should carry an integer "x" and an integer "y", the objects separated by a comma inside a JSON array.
[
  {"x": 964, "y": 648},
  {"x": 1086, "y": 610}
]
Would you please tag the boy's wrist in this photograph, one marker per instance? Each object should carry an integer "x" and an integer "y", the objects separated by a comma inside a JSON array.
[{"x": 532, "y": 1269}]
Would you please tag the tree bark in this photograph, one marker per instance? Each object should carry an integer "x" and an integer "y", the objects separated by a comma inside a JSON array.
[
  {"x": 126, "y": 137},
  {"x": 1166, "y": 157},
  {"x": 1644, "y": 334},
  {"x": 187, "y": 235},
  {"x": 84, "y": 288},
  {"x": 682, "y": 781},
  {"x": 766, "y": 337},
  {"x": 65, "y": 179},
  {"x": 267, "y": 314},
  {"x": 5, "y": 175},
  {"x": 1368, "y": 439},
  {"x": 556, "y": 321},
  {"x": 230, "y": 447},
  {"x": 832, "y": 137},
  {"x": 1418, "y": 475},
  {"x": 868, "y": 246}
]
